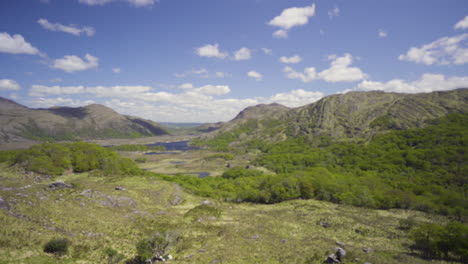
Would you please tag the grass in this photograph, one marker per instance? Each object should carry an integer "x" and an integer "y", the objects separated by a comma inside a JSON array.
[{"x": 94, "y": 216}]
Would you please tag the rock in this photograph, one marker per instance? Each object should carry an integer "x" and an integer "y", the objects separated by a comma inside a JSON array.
[
  {"x": 340, "y": 244},
  {"x": 367, "y": 250},
  {"x": 283, "y": 240},
  {"x": 206, "y": 202},
  {"x": 119, "y": 188},
  {"x": 202, "y": 251},
  {"x": 356, "y": 260},
  {"x": 157, "y": 259},
  {"x": 332, "y": 259},
  {"x": 169, "y": 257},
  {"x": 59, "y": 185},
  {"x": 4, "y": 204},
  {"x": 340, "y": 253},
  {"x": 324, "y": 223},
  {"x": 228, "y": 165}
]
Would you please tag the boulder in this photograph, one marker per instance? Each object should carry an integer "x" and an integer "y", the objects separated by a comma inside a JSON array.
[
  {"x": 340, "y": 244},
  {"x": 340, "y": 253},
  {"x": 59, "y": 185},
  {"x": 367, "y": 250},
  {"x": 119, "y": 188},
  {"x": 332, "y": 259}
]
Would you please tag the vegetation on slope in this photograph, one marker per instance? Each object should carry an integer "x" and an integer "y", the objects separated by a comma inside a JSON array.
[
  {"x": 55, "y": 159},
  {"x": 423, "y": 169}
]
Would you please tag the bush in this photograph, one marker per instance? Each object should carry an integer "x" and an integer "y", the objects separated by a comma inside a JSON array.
[
  {"x": 159, "y": 244},
  {"x": 237, "y": 172},
  {"x": 435, "y": 241},
  {"x": 57, "y": 246}
]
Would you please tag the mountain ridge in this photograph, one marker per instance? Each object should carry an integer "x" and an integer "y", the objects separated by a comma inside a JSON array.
[{"x": 19, "y": 123}]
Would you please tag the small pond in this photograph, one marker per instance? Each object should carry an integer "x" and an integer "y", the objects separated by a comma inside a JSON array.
[{"x": 176, "y": 145}]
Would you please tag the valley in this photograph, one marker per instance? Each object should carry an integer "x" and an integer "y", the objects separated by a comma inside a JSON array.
[{"x": 254, "y": 190}]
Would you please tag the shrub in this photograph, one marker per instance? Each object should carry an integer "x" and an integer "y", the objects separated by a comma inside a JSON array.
[
  {"x": 159, "y": 244},
  {"x": 57, "y": 246},
  {"x": 237, "y": 172}
]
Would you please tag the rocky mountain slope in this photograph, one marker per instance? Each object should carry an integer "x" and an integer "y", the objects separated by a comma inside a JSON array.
[
  {"x": 19, "y": 123},
  {"x": 350, "y": 116}
]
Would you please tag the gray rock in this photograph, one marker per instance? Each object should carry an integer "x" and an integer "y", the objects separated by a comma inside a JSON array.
[
  {"x": 283, "y": 240},
  {"x": 332, "y": 259},
  {"x": 59, "y": 185},
  {"x": 340, "y": 244},
  {"x": 119, "y": 188},
  {"x": 367, "y": 250},
  {"x": 206, "y": 202},
  {"x": 340, "y": 253},
  {"x": 4, "y": 204}
]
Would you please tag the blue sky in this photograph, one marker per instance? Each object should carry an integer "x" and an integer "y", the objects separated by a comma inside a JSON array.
[{"x": 205, "y": 60}]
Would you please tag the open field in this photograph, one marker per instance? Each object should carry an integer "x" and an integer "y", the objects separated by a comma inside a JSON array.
[{"x": 94, "y": 216}]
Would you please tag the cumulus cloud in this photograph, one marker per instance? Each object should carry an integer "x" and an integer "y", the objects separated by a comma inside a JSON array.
[
  {"x": 382, "y": 33},
  {"x": 280, "y": 33},
  {"x": 101, "y": 91},
  {"x": 256, "y": 75},
  {"x": 71, "y": 29},
  {"x": 9, "y": 85},
  {"x": 186, "y": 86},
  {"x": 16, "y": 45},
  {"x": 290, "y": 60},
  {"x": 71, "y": 63},
  {"x": 339, "y": 71},
  {"x": 427, "y": 83},
  {"x": 116, "y": 70},
  {"x": 295, "y": 98},
  {"x": 446, "y": 50},
  {"x": 194, "y": 104},
  {"x": 462, "y": 24},
  {"x": 139, "y": 3},
  {"x": 308, "y": 75},
  {"x": 267, "y": 51},
  {"x": 334, "y": 12},
  {"x": 213, "y": 89},
  {"x": 211, "y": 51},
  {"x": 242, "y": 54},
  {"x": 291, "y": 17}
]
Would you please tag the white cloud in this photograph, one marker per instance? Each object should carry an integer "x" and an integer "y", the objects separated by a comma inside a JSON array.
[
  {"x": 339, "y": 71},
  {"x": 267, "y": 51},
  {"x": 308, "y": 75},
  {"x": 9, "y": 85},
  {"x": 71, "y": 29},
  {"x": 291, "y": 17},
  {"x": 280, "y": 33},
  {"x": 462, "y": 24},
  {"x": 95, "y": 2},
  {"x": 213, "y": 89},
  {"x": 211, "y": 51},
  {"x": 295, "y": 98},
  {"x": 382, "y": 33},
  {"x": 291, "y": 60},
  {"x": 242, "y": 54},
  {"x": 334, "y": 12},
  {"x": 192, "y": 105},
  {"x": 186, "y": 86},
  {"x": 139, "y": 3},
  {"x": 116, "y": 70},
  {"x": 446, "y": 50},
  {"x": 71, "y": 63},
  {"x": 16, "y": 45},
  {"x": 56, "y": 80},
  {"x": 427, "y": 83},
  {"x": 101, "y": 91},
  {"x": 256, "y": 75},
  {"x": 202, "y": 73}
]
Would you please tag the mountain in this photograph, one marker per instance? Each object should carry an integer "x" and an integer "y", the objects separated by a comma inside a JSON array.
[
  {"x": 19, "y": 123},
  {"x": 354, "y": 116}
]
